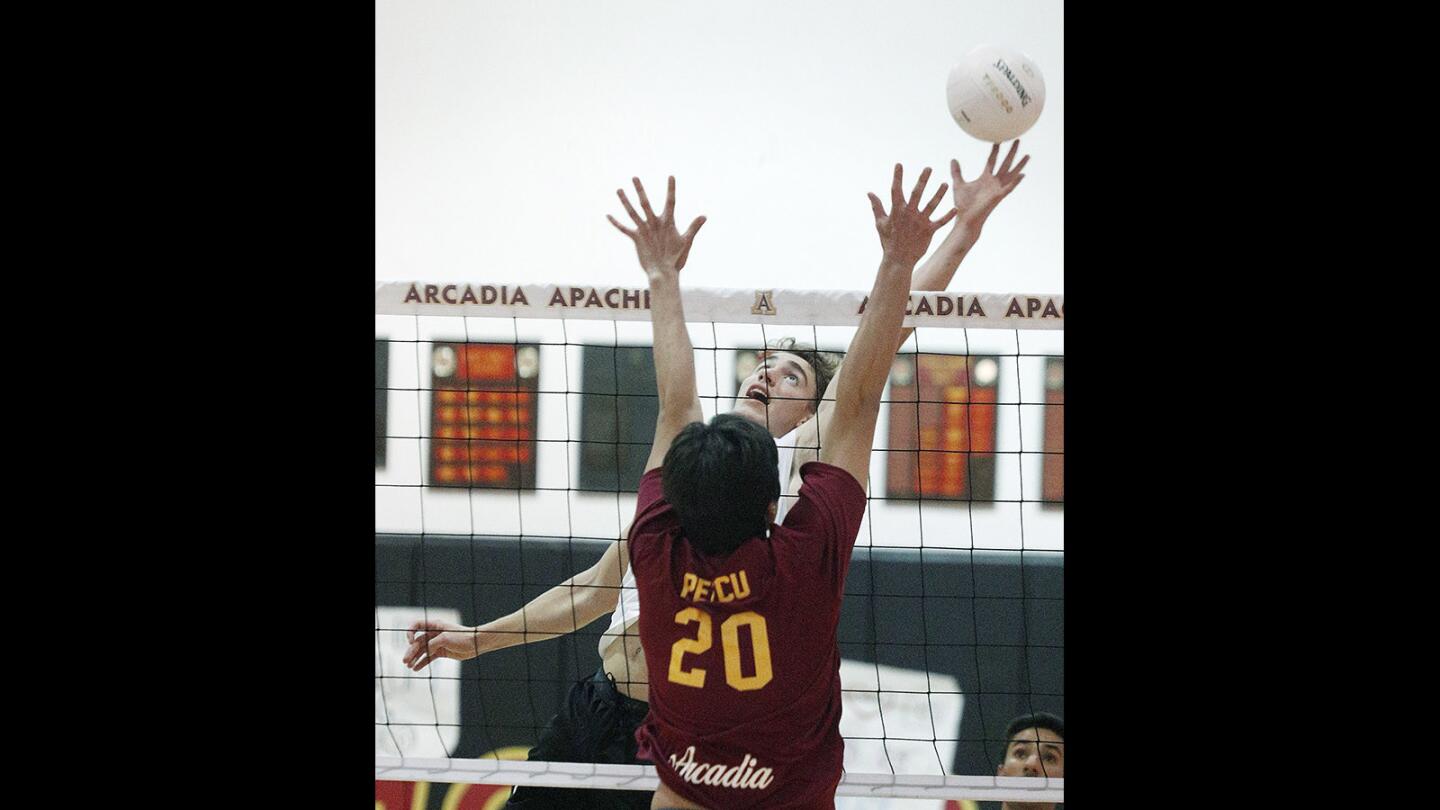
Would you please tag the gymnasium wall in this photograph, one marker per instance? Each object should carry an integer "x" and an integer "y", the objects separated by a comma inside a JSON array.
[{"x": 991, "y": 623}]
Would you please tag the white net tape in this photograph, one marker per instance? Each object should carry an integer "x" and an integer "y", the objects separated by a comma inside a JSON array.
[{"x": 642, "y": 777}]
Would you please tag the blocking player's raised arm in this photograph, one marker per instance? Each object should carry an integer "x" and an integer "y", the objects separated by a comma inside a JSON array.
[
  {"x": 905, "y": 234},
  {"x": 662, "y": 251},
  {"x": 975, "y": 200}
]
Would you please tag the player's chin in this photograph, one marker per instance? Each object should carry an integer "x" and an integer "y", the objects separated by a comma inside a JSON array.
[{"x": 752, "y": 409}]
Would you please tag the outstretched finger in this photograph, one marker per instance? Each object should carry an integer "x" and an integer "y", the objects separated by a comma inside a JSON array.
[
  {"x": 692, "y": 230},
  {"x": 644, "y": 200},
  {"x": 418, "y": 650},
  {"x": 934, "y": 201},
  {"x": 955, "y": 172},
  {"x": 896, "y": 200},
  {"x": 940, "y": 223},
  {"x": 629, "y": 209},
  {"x": 620, "y": 227},
  {"x": 1021, "y": 164},
  {"x": 876, "y": 206},
  {"x": 919, "y": 187},
  {"x": 1009, "y": 156},
  {"x": 670, "y": 198},
  {"x": 990, "y": 164},
  {"x": 689, "y": 238}
]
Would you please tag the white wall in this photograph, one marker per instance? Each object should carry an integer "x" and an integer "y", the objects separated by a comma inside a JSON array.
[{"x": 504, "y": 129}]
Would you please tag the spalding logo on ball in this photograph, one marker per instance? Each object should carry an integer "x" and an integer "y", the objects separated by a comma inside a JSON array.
[{"x": 995, "y": 93}]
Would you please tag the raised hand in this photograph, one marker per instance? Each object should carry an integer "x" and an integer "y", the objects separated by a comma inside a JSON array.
[
  {"x": 431, "y": 639},
  {"x": 906, "y": 231},
  {"x": 659, "y": 245},
  {"x": 976, "y": 199}
]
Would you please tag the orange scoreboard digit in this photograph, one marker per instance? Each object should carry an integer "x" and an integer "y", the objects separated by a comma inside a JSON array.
[
  {"x": 1053, "y": 490},
  {"x": 942, "y": 427},
  {"x": 483, "y": 421}
]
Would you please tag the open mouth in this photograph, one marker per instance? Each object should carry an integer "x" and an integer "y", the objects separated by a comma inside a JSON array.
[{"x": 759, "y": 396}]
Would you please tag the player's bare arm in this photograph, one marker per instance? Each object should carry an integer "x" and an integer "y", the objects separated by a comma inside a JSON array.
[
  {"x": 974, "y": 201},
  {"x": 905, "y": 233},
  {"x": 662, "y": 251},
  {"x": 563, "y": 609}
]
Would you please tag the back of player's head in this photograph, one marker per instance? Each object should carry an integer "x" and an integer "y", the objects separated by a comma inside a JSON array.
[
  {"x": 1043, "y": 720},
  {"x": 721, "y": 479}
]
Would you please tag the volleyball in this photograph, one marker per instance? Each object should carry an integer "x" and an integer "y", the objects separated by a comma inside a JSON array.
[{"x": 995, "y": 93}]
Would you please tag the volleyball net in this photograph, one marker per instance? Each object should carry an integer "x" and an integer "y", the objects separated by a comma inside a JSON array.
[{"x": 512, "y": 427}]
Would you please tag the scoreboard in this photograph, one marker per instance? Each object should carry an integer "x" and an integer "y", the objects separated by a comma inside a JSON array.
[
  {"x": 1053, "y": 488},
  {"x": 483, "y": 420},
  {"x": 942, "y": 427}
]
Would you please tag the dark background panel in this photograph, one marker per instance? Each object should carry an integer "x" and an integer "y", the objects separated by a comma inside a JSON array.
[
  {"x": 958, "y": 613},
  {"x": 619, "y": 404},
  {"x": 382, "y": 398}
]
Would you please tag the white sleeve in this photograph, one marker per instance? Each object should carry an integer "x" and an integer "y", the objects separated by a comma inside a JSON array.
[{"x": 785, "y": 447}]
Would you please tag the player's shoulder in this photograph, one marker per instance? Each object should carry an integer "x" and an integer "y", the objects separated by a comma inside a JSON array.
[
  {"x": 819, "y": 473},
  {"x": 653, "y": 514}
]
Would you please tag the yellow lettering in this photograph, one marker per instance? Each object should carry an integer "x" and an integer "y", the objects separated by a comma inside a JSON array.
[
  {"x": 759, "y": 639},
  {"x": 742, "y": 589},
  {"x": 730, "y": 646},
  {"x": 702, "y": 588},
  {"x": 720, "y": 589},
  {"x": 699, "y": 644},
  {"x": 688, "y": 584}
]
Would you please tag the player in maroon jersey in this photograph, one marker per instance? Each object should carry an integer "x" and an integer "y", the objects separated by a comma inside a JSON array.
[
  {"x": 739, "y": 615},
  {"x": 597, "y": 720}
]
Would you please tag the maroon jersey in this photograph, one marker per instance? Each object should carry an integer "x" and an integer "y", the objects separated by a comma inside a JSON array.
[{"x": 741, "y": 650}]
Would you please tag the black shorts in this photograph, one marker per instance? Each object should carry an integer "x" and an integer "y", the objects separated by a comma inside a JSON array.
[{"x": 596, "y": 724}]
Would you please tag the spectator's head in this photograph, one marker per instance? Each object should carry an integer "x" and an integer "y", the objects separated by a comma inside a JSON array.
[
  {"x": 1034, "y": 746},
  {"x": 722, "y": 480},
  {"x": 785, "y": 388}
]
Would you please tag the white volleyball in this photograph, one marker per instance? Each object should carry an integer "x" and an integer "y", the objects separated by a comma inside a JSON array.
[{"x": 995, "y": 93}]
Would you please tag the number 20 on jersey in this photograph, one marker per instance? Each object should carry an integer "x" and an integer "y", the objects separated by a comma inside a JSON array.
[{"x": 750, "y": 621}]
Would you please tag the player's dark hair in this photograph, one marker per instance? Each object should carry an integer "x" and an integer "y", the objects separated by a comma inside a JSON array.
[
  {"x": 1043, "y": 720},
  {"x": 824, "y": 364},
  {"x": 721, "y": 479}
]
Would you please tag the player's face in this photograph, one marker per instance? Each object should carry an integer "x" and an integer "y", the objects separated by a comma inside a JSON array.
[
  {"x": 778, "y": 394},
  {"x": 1034, "y": 752}
]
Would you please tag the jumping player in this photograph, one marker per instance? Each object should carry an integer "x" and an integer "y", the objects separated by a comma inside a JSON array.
[
  {"x": 739, "y": 615},
  {"x": 791, "y": 392}
]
